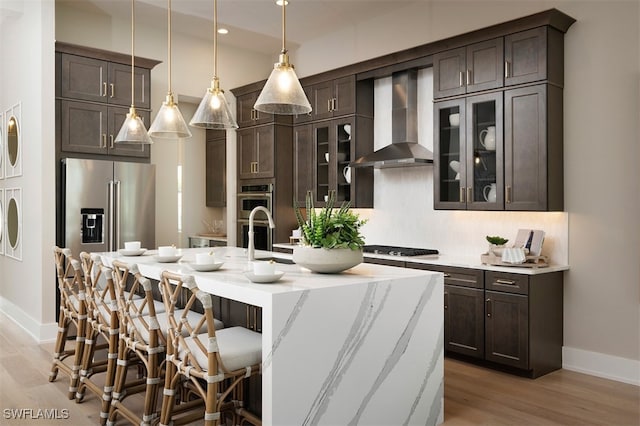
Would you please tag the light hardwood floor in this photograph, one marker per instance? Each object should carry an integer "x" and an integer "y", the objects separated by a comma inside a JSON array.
[{"x": 473, "y": 395}]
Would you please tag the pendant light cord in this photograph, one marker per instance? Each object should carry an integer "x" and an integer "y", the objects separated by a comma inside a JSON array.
[
  {"x": 284, "y": 26},
  {"x": 215, "y": 38},
  {"x": 169, "y": 41},
  {"x": 133, "y": 36}
]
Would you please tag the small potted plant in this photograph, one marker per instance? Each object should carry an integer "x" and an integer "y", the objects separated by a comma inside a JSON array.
[
  {"x": 496, "y": 244},
  {"x": 331, "y": 241}
]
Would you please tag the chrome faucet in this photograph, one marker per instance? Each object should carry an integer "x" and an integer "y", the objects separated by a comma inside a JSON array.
[{"x": 251, "y": 246}]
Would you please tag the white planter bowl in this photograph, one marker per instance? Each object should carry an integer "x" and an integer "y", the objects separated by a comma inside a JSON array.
[{"x": 326, "y": 261}]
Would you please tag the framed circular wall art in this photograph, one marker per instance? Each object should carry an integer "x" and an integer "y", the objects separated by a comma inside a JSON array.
[
  {"x": 12, "y": 229},
  {"x": 12, "y": 152}
]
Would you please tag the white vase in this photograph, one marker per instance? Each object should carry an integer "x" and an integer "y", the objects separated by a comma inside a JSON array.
[{"x": 327, "y": 261}]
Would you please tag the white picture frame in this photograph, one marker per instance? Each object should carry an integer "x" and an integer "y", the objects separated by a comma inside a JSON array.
[
  {"x": 13, "y": 170},
  {"x": 1, "y": 150},
  {"x": 2, "y": 224},
  {"x": 13, "y": 196}
]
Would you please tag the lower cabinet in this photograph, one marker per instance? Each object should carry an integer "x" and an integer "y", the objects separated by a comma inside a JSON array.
[{"x": 506, "y": 319}]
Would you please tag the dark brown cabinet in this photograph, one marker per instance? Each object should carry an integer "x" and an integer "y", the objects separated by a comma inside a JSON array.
[
  {"x": 469, "y": 69},
  {"x": 534, "y": 55},
  {"x": 512, "y": 320},
  {"x": 102, "y": 81},
  {"x": 247, "y": 115},
  {"x": 303, "y": 164},
  {"x": 468, "y": 148},
  {"x": 93, "y": 96},
  {"x": 464, "y": 311},
  {"x": 338, "y": 142},
  {"x": 533, "y": 149},
  {"x": 256, "y": 152},
  {"x": 91, "y": 128},
  {"x": 328, "y": 99},
  {"x": 216, "y": 168}
]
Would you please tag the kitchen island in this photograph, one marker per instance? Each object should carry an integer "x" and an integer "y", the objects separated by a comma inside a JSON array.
[{"x": 364, "y": 347}]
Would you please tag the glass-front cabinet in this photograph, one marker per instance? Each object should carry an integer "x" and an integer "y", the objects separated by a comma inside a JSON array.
[
  {"x": 468, "y": 147},
  {"x": 333, "y": 154}
]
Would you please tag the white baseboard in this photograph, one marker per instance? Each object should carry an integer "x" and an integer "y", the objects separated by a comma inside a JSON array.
[
  {"x": 41, "y": 333},
  {"x": 601, "y": 365}
]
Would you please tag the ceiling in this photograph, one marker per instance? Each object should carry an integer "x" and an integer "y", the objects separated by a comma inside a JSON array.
[{"x": 253, "y": 24}]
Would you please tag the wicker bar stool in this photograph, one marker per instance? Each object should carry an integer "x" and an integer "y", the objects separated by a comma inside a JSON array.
[
  {"x": 103, "y": 322},
  {"x": 211, "y": 363},
  {"x": 72, "y": 313},
  {"x": 140, "y": 341}
]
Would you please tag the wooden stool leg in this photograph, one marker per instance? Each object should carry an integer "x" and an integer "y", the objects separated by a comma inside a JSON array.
[
  {"x": 87, "y": 360},
  {"x": 58, "y": 350}
]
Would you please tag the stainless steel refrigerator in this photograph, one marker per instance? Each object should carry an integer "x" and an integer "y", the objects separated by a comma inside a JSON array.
[{"x": 106, "y": 203}]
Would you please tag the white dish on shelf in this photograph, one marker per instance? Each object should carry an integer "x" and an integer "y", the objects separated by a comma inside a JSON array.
[
  {"x": 167, "y": 259},
  {"x": 263, "y": 278},
  {"x": 133, "y": 252},
  {"x": 205, "y": 267}
]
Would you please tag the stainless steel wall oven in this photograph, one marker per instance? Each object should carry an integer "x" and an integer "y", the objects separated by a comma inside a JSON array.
[{"x": 250, "y": 197}]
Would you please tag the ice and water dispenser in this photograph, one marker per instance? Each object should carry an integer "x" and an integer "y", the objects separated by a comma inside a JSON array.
[{"x": 92, "y": 226}]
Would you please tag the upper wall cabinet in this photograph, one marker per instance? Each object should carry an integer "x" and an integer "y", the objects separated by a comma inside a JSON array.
[
  {"x": 97, "y": 80},
  {"x": 468, "y": 69},
  {"x": 93, "y": 91},
  {"x": 518, "y": 58},
  {"x": 248, "y": 116},
  {"x": 329, "y": 99}
]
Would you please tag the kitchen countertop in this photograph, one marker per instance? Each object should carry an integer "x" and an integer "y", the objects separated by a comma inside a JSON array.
[
  {"x": 335, "y": 345},
  {"x": 454, "y": 261}
]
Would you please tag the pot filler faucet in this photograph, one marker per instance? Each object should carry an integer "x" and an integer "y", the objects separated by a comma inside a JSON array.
[{"x": 251, "y": 246}]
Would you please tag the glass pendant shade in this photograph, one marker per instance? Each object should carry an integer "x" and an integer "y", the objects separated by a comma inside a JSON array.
[
  {"x": 283, "y": 93},
  {"x": 213, "y": 111},
  {"x": 133, "y": 130},
  {"x": 169, "y": 123}
]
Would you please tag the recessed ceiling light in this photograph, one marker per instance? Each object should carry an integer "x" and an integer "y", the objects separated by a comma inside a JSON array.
[
  {"x": 279, "y": 2},
  {"x": 223, "y": 31}
]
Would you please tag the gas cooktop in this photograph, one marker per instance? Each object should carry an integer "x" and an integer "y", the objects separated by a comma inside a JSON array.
[{"x": 398, "y": 251}]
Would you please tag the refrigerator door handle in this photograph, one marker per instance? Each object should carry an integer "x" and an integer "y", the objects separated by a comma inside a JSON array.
[
  {"x": 116, "y": 222},
  {"x": 110, "y": 213}
]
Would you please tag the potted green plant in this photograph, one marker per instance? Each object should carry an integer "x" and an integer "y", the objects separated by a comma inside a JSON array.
[
  {"x": 496, "y": 244},
  {"x": 331, "y": 241}
]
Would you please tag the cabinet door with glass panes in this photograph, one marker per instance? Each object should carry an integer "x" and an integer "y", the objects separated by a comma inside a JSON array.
[
  {"x": 468, "y": 147},
  {"x": 333, "y": 153}
]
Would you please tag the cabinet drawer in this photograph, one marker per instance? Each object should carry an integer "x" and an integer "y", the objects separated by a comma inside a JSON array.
[
  {"x": 507, "y": 283},
  {"x": 387, "y": 262},
  {"x": 462, "y": 277}
]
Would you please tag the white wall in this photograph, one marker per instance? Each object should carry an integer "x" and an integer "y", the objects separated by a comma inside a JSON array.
[{"x": 27, "y": 286}]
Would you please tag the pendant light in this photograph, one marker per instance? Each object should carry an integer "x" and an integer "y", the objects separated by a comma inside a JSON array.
[
  {"x": 213, "y": 111},
  {"x": 169, "y": 123},
  {"x": 133, "y": 130},
  {"x": 283, "y": 94}
]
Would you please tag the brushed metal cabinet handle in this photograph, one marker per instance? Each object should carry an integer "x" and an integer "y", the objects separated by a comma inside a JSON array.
[
  {"x": 488, "y": 307},
  {"x": 462, "y": 194},
  {"x": 506, "y": 69},
  {"x": 104, "y": 141},
  {"x": 508, "y": 194},
  {"x": 461, "y": 82},
  {"x": 505, "y": 282},
  {"x": 446, "y": 300},
  {"x": 470, "y": 194},
  {"x": 329, "y": 104},
  {"x": 111, "y": 141},
  {"x": 104, "y": 88},
  {"x": 113, "y": 90},
  {"x": 469, "y": 77}
]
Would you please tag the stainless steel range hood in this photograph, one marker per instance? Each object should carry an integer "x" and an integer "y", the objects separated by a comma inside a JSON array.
[{"x": 404, "y": 149}]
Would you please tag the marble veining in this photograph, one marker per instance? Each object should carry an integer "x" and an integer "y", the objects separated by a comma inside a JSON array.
[
  {"x": 266, "y": 362},
  {"x": 360, "y": 328},
  {"x": 398, "y": 351}
]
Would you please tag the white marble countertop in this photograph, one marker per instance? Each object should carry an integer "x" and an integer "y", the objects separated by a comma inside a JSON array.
[
  {"x": 335, "y": 345},
  {"x": 229, "y": 281},
  {"x": 445, "y": 259}
]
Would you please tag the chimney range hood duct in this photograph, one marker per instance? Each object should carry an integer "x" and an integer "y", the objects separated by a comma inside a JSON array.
[{"x": 404, "y": 149}]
